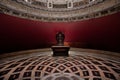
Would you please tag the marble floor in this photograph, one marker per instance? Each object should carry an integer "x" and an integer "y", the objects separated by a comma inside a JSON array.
[{"x": 82, "y": 64}]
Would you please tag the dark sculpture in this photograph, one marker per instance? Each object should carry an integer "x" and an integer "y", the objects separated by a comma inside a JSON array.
[
  {"x": 60, "y": 49},
  {"x": 60, "y": 38}
]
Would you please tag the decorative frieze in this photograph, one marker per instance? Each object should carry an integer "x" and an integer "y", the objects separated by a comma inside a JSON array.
[{"x": 49, "y": 12}]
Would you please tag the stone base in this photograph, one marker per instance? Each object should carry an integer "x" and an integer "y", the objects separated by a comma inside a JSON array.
[{"x": 60, "y": 50}]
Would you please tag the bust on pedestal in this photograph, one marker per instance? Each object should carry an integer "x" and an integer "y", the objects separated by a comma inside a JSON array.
[
  {"x": 60, "y": 38},
  {"x": 60, "y": 49}
]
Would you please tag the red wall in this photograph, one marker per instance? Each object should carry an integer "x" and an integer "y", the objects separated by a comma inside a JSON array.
[{"x": 100, "y": 33}]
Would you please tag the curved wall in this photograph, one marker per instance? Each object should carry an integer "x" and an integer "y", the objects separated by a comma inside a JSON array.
[{"x": 99, "y": 33}]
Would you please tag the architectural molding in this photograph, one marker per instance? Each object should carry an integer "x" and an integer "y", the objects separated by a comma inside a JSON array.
[{"x": 48, "y": 12}]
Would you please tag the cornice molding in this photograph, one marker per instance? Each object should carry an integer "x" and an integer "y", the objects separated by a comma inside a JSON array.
[{"x": 15, "y": 8}]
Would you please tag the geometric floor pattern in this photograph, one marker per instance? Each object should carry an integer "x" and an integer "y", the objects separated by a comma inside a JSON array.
[{"x": 42, "y": 66}]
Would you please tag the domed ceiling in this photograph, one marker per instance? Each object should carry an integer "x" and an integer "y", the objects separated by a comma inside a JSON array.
[{"x": 59, "y": 10}]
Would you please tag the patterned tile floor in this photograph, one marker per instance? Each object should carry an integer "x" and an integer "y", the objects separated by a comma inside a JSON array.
[{"x": 80, "y": 65}]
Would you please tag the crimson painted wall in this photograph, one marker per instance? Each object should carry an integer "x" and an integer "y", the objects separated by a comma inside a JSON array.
[{"x": 100, "y": 33}]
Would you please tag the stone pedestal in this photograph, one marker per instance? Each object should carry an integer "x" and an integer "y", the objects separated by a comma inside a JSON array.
[{"x": 60, "y": 50}]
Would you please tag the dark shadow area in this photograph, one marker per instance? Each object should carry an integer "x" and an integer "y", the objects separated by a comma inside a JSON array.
[{"x": 48, "y": 45}]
